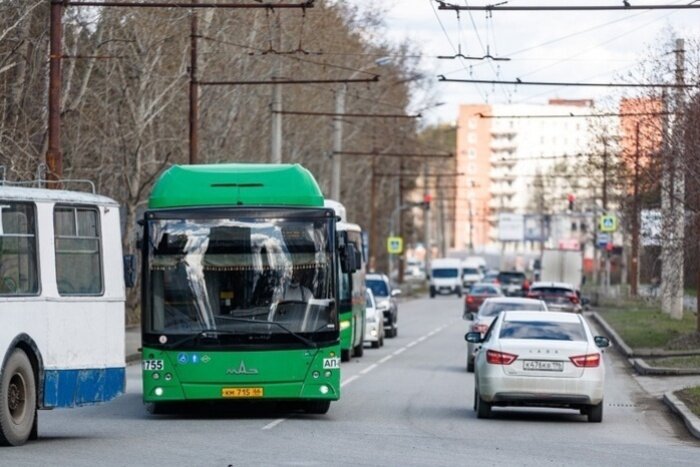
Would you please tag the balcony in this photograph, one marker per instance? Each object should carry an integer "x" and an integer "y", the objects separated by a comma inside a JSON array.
[
  {"x": 503, "y": 161},
  {"x": 503, "y": 132},
  {"x": 502, "y": 177}
]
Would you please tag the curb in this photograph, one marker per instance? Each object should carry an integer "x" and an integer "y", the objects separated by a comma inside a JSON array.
[
  {"x": 624, "y": 348},
  {"x": 692, "y": 422},
  {"x": 645, "y": 370},
  {"x": 133, "y": 358}
]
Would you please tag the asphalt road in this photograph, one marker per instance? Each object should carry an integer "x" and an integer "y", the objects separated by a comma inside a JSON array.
[{"x": 408, "y": 403}]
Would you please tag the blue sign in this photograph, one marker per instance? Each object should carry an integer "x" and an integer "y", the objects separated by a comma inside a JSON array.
[
  {"x": 195, "y": 358},
  {"x": 182, "y": 358},
  {"x": 602, "y": 239}
]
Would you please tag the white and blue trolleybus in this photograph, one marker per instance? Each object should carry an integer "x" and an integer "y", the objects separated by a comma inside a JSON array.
[{"x": 62, "y": 298}]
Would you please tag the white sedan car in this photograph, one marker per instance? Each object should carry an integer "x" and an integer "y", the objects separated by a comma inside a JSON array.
[
  {"x": 539, "y": 360},
  {"x": 374, "y": 322}
]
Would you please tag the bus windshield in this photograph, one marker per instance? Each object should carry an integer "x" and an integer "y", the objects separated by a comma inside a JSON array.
[{"x": 242, "y": 280}]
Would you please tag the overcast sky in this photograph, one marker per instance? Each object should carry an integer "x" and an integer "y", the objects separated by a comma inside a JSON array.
[{"x": 601, "y": 47}]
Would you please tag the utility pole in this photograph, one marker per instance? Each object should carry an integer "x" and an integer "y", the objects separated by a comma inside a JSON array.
[
  {"x": 605, "y": 210},
  {"x": 672, "y": 205},
  {"x": 399, "y": 201},
  {"x": 373, "y": 244},
  {"x": 634, "y": 262},
  {"x": 54, "y": 157},
  {"x": 276, "y": 118},
  {"x": 194, "y": 89},
  {"x": 426, "y": 218},
  {"x": 337, "y": 142}
]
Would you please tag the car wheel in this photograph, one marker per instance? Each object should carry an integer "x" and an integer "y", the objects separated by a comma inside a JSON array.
[
  {"x": 470, "y": 365},
  {"x": 376, "y": 344},
  {"x": 459, "y": 293},
  {"x": 483, "y": 408},
  {"x": 17, "y": 400},
  {"x": 359, "y": 350},
  {"x": 595, "y": 413}
]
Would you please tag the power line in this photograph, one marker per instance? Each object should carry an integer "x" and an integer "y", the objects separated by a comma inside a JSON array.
[
  {"x": 519, "y": 82},
  {"x": 502, "y": 7},
  {"x": 393, "y": 154},
  {"x": 572, "y": 115},
  {"x": 345, "y": 115},
  {"x": 258, "y": 5},
  {"x": 288, "y": 81}
]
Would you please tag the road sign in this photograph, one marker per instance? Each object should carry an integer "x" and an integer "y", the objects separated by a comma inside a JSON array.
[
  {"x": 394, "y": 245},
  {"x": 602, "y": 240},
  {"x": 608, "y": 223}
]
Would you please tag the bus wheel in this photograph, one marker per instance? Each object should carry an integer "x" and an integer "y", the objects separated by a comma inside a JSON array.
[
  {"x": 159, "y": 408},
  {"x": 318, "y": 407},
  {"x": 359, "y": 350},
  {"x": 17, "y": 400},
  {"x": 344, "y": 355}
]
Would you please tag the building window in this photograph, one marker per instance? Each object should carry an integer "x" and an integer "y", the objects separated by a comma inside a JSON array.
[
  {"x": 472, "y": 123},
  {"x": 472, "y": 153},
  {"x": 18, "y": 253},
  {"x": 471, "y": 137},
  {"x": 78, "y": 251},
  {"x": 471, "y": 168}
]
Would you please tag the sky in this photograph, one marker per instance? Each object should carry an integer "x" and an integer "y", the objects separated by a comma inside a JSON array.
[{"x": 591, "y": 46}]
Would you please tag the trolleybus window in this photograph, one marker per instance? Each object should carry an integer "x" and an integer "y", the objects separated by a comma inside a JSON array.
[
  {"x": 78, "y": 258},
  {"x": 18, "y": 257}
]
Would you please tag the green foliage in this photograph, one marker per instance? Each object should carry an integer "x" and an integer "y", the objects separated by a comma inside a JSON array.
[{"x": 643, "y": 327}]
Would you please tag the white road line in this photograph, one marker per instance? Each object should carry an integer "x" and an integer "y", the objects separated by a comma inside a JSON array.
[
  {"x": 271, "y": 425},
  {"x": 369, "y": 368},
  {"x": 373, "y": 366},
  {"x": 349, "y": 380}
]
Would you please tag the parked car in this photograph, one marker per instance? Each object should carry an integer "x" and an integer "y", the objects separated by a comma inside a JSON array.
[
  {"x": 489, "y": 310},
  {"x": 478, "y": 293},
  {"x": 470, "y": 276},
  {"x": 491, "y": 276},
  {"x": 445, "y": 277},
  {"x": 539, "y": 359},
  {"x": 513, "y": 283},
  {"x": 558, "y": 296},
  {"x": 386, "y": 301},
  {"x": 374, "y": 322}
]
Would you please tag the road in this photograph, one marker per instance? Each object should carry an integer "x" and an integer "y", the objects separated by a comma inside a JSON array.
[{"x": 408, "y": 403}]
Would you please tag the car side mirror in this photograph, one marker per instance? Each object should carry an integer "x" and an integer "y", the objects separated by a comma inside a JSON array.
[
  {"x": 129, "y": 270},
  {"x": 601, "y": 342},
  {"x": 473, "y": 337},
  {"x": 396, "y": 292}
]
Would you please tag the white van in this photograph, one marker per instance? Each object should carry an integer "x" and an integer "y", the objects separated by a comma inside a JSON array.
[{"x": 446, "y": 277}]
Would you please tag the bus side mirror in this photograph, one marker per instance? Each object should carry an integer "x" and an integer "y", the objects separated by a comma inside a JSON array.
[
  {"x": 348, "y": 258},
  {"x": 130, "y": 271}
]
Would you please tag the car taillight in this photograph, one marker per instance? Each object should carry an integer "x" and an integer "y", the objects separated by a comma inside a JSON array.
[
  {"x": 470, "y": 299},
  {"x": 586, "y": 361},
  {"x": 573, "y": 297},
  {"x": 526, "y": 285},
  {"x": 533, "y": 295},
  {"x": 481, "y": 328},
  {"x": 500, "y": 358}
]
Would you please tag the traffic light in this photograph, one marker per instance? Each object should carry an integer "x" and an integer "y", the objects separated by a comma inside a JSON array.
[
  {"x": 571, "y": 198},
  {"x": 426, "y": 202}
]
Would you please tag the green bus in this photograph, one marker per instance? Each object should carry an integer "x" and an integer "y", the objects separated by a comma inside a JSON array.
[
  {"x": 240, "y": 284},
  {"x": 351, "y": 292}
]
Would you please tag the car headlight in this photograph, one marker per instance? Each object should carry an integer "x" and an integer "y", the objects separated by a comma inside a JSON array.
[{"x": 383, "y": 304}]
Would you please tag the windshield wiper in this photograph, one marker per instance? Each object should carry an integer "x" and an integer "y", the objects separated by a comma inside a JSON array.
[
  {"x": 303, "y": 339},
  {"x": 195, "y": 338}
]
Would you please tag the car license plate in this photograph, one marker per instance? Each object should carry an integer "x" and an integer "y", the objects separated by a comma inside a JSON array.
[
  {"x": 235, "y": 393},
  {"x": 537, "y": 365}
]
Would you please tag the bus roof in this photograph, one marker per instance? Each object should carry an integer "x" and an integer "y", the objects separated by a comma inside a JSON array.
[
  {"x": 348, "y": 227},
  {"x": 54, "y": 196},
  {"x": 236, "y": 185}
]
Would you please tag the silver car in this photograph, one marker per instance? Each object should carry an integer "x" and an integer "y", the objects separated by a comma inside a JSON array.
[
  {"x": 559, "y": 296},
  {"x": 489, "y": 310}
]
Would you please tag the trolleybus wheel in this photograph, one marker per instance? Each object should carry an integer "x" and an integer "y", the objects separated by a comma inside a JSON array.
[
  {"x": 17, "y": 400},
  {"x": 359, "y": 350}
]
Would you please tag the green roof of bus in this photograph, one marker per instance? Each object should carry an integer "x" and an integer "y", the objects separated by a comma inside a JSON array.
[{"x": 236, "y": 185}]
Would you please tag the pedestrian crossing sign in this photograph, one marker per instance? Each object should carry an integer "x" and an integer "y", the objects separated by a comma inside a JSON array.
[
  {"x": 608, "y": 223},
  {"x": 394, "y": 245}
]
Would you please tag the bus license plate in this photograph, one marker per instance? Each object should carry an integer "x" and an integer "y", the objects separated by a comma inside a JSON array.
[
  {"x": 543, "y": 365},
  {"x": 235, "y": 393}
]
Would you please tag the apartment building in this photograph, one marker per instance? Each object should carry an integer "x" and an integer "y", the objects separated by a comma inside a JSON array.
[{"x": 501, "y": 149}]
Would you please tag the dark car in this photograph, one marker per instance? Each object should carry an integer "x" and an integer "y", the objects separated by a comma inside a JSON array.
[
  {"x": 558, "y": 296},
  {"x": 513, "y": 283},
  {"x": 478, "y": 293},
  {"x": 386, "y": 302}
]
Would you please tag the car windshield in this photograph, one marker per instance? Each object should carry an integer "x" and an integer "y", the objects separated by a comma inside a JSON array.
[
  {"x": 470, "y": 271},
  {"x": 483, "y": 290},
  {"x": 543, "y": 330},
  {"x": 494, "y": 308},
  {"x": 445, "y": 273},
  {"x": 378, "y": 287},
  {"x": 511, "y": 277},
  {"x": 238, "y": 276}
]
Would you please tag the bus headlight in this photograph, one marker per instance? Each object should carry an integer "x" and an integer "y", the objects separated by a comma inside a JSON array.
[
  {"x": 344, "y": 325},
  {"x": 324, "y": 389},
  {"x": 158, "y": 391}
]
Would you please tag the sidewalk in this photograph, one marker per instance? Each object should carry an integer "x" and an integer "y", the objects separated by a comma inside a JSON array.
[{"x": 660, "y": 387}]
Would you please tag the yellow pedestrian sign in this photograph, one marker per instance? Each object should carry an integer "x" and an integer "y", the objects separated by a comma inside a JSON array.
[
  {"x": 394, "y": 245},
  {"x": 608, "y": 223}
]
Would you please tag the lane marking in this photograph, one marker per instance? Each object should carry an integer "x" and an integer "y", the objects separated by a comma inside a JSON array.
[
  {"x": 271, "y": 425},
  {"x": 372, "y": 367}
]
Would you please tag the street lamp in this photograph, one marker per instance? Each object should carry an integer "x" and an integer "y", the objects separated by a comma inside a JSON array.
[{"x": 338, "y": 127}]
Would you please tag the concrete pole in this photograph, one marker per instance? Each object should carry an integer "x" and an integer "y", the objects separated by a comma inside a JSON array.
[
  {"x": 426, "y": 219},
  {"x": 337, "y": 142},
  {"x": 194, "y": 90},
  {"x": 276, "y": 143},
  {"x": 54, "y": 158}
]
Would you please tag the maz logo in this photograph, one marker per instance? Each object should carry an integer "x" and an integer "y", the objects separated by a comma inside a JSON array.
[{"x": 242, "y": 370}]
